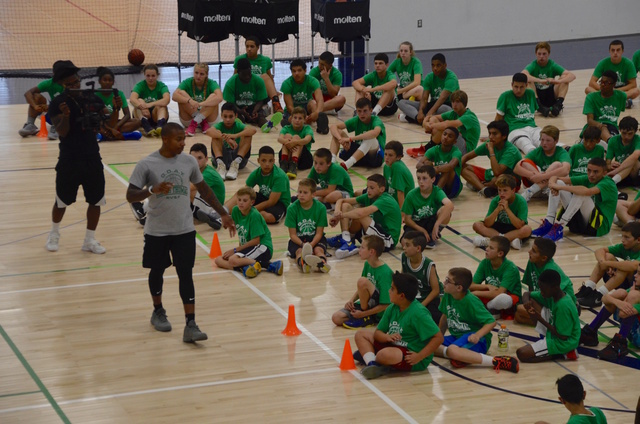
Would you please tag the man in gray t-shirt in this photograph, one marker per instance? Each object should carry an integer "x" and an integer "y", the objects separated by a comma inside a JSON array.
[{"x": 169, "y": 234}]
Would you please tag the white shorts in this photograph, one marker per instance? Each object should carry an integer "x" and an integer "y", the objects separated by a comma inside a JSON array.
[
  {"x": 540, "y": 348},
  {"x": 532, "y": 133}
]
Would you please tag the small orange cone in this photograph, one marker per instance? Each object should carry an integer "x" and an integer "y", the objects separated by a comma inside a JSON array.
[
  {"x": 347, "y": 364},
  {"x": 291, "y": 329},
  {"x": 215, "y": 250},
  {"x": 43, "y": 133}
]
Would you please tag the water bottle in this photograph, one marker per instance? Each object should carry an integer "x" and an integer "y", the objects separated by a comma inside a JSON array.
[{"x": 503, "y": 339}]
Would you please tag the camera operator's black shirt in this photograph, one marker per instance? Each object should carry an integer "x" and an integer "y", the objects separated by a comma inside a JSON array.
[{"x": 78, "y": 143}]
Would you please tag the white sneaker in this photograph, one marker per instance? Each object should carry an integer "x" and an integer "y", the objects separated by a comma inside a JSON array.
[
  {"x": 480, "y": 241},
  {"x": 222, "y": 169},
  {"x": 402, "y": 118},
  {"x": 232, "y": 173},
  {"x": 93, "y": 246},
  {"x": 53, "y": 134},
  {"x": 28, "y": 129},
  {"x": 616, "y": 221},
  {"x": 53, "y": 241},
  {"x": 516, "y": 244}
]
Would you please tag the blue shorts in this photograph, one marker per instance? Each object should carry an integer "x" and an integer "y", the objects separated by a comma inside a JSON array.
[
  {"x": 480, "y": 347},
  {"x": 456, "y": 186}
]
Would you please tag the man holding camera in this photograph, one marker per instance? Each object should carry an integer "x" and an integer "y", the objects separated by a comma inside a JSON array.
[{"x": 79, "y": 162}]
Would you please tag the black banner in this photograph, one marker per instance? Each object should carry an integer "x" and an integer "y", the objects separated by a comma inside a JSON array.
[
  {"x": 271, "y": 22},
  {"x": 206, "y": 21},
  {"x": 339, "y": 22},
  {"x": 186, "y": 16}
]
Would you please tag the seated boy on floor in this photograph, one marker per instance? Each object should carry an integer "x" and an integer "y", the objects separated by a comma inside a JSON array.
[
  {"x": 558, "y": 322},
  {"x": 628, "y": 210},
  {"x": 379, "y": 87},
  {"x": 470, "y": 325},
  {"x": 581, "y": 153},
  {"x": 613, "y": 272},
  {"x": 406, "y": 336},
  {"x": 274, "y": 194},
  {"x": 424, "y": 269},
  {"x": 446, "y": 159},
  {"x": 623, "y": 152},
  {"x": 507, "y": 216},
  {"x": 202, "y": 211},
  {"x": 572, "y": 395},
  {"x": 333, "y": 181},
  {"x": 296, "y": 139},
  {"x": 501, "y": 290},
  {"x": 330, "y": 79},
  {"x": 395, "y": 171},
  {"x": 427, "y": 208},
  {"x": 306, "y": 220},
  {"x": 372, "y": 289},
  {"x": 255, "y": 248}
]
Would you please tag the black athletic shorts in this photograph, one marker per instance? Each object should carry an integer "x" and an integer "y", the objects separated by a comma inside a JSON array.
[
  {"x": 73, "y": 173},
  {"x": 182, "y": 248},
  {"x": 547, "y": 97},
  {"x": 278, "y": 210},
  {"x": 292, "y": 247},
  {"x": 389, "y": 109},
  {"x": 305, "y": 160}
]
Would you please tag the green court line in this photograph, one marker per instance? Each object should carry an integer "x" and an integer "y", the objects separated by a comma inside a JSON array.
[
  {"x": 117, "y": 171},
  {"x": 357, "y": 174},
  {"x": 34, "y": 376},
  {"x": 20, "y": 394}
]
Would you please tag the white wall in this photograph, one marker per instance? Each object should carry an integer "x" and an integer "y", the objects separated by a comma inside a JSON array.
[{"x": 448, "y": 24}]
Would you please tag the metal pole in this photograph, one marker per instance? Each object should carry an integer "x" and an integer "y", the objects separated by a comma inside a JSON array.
[
  {"x": 312, "y": 43},
  {"x": 353, "y": 61},
  {"x": 219, "y": 66},
  {"x": 198, "y": 44},
  {"x": 179, "y": 54},
  {"x": 366, "y": 40},
  {"x": 237, "y": 37}
]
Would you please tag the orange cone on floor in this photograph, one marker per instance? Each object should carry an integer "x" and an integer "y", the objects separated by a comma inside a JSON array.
[
  {"x": 43, "y": 133},
  {"x": 215, "y": 250},
  {"x": 291, "y": 329},
  {"x": 347, "y": 364}
]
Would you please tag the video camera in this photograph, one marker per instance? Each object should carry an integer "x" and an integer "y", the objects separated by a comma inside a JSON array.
[{"x": 91, "y": 109}]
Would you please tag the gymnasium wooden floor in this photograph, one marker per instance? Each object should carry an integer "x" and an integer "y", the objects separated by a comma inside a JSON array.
[{"x": 77, "y": 345}]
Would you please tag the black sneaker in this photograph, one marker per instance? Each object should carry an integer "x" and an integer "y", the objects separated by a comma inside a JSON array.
[
  {"x": 284, "y": 165},
  {"x": 544, "y": 111},
  {"x": 322, "y": 124},
  {"x": 138, "y": 212},
  {"x": 615, "y": 350},
  {"x": 212, "y": 219},
  {"x": 629, "y": 104},
  {"x": 489, "y": 192},
  {"x": 592, "y": 300},
  {"x": 583, "y": 292},
  {"x": 292, "y": 172},
  {"x": 622, "y": 195},
  {"x": 556, "y": 109},
  {"x": 588, "y": 336},
  {"x": 357, "y": 356}
]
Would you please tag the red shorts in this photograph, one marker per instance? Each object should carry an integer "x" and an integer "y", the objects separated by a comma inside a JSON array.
[
  {"x": 479, "y": 171},
  {"x": 525, "y": 181},
  {"x": 400, "y": 366},
  {"x": 326, "y": 97}
]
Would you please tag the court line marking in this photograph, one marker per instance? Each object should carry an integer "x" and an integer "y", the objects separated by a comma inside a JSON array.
[{"x": 20, "y": 394}]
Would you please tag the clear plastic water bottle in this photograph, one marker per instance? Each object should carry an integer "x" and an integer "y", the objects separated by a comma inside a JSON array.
[{"x": 503, "y": 338}]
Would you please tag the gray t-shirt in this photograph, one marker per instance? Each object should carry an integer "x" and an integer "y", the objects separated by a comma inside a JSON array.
[{"x": 168, "y": 214}]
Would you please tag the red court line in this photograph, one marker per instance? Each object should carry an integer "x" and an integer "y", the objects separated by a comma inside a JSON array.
[{"x": 92, "y": 15}]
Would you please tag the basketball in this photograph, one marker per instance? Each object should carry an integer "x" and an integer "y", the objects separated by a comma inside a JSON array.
[{"x": 136, "y": 57}]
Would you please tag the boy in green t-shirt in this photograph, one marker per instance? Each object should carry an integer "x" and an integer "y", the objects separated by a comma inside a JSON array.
[
  {"x": 581, "y": 153},
  {"x": 572, "y": 395},
  {"x": 427, "y": 208},
  {"x": 624, "y": 151},
  {"x": 379, "y": 215},
  {"x": 38, "y": 105},
  {"x": 445, "y": 159},
  {"x": 627, "y": 303},
  {"x": 202, "y": 211},
  {"x": 406, "y": 336},
  {"x": 501, "y": 290},
  {"x": 333, "y": 181},
  {"x": 543, "y": 162},
  {"x": 612, "y": 271},
  {"x": 379, "y": 87},
  {"x": 255, "y": 248},
  {"x": 198, "y": 98},
  {"x": 558, "y": 322},
  {"x": 469, "y": 324},
  {"x": 366, "y": 147},
  {"x": 230, "y": 143},
  {"x": 273, "y": 194},
  {"x": 330, "y": 79},
  {"x": 424, "y": 269},
  {"x": 461, "y": 118},
  {"x": 303, "y": 90},
  {"x": 507, "y": 216},
  {"x": 296, "y": 139},
  {"x": 399, "y": 178},
  {"x": 602, "y": 108},
  {"x": 372, "y": 288},
  {"x": 306, "y": 220},
  {"x": 589, "y": 203},
  {"x": 248, "y": 93}
]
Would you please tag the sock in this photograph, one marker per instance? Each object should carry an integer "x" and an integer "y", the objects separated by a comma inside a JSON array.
[
  {"x": 487, "y": 361},
  {"x": 284, "y": 158},
  {"x": 89, "y": 235},
  {"x": 350, "y": 162},
  {"x": 161, "y": 122},
  {"x": 31, "y": 120},
  {"x": 238, "y": 159},
  {"x": 198, "y": 118},
  {"x": 190, "y": 317},
  {"x": 55, "y": 227},
  {"x": 334, "y": 158},
  {"x": 294, "y": 159},
  {"x": 590, "y": 284},
  {"x": 158, "y": 306},
  {"x": 377, "y": 109},
  {"x": 616, "y": 178},
  {"x": 369, "y": 357},
  {"x": 626, "y": 324},
  {"x": 600, "y": 319},
  {"x": 145, "y": 124},
  {"x": 444, "y": 352},
  {"x": 534, "y": 188},
  {"x": 346, "y": 236},
  {"x": 604, "y": 290}
]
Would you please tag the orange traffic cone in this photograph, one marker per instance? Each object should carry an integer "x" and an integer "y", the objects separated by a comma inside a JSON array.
[
  {"x": 43, "y": 133},
  {"x": 291, "y": 329},
  {"x": 215, "y": 250},
  {"x": 347, "y": 364}
]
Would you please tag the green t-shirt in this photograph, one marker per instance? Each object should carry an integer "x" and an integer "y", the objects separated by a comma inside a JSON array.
[
  {"x": 260, "y": 65},
  {"x": 358, "y": 127},
  {"x": 277, "y": 181},
  {"x": 305, "y": 131},
  {"x": 372, "y": 79},
  {"x": 605, "y": 201},
  {"x": 398, "y": 178},
  {"x": 436, "y": 85},
  {"x": 470, "y": 128},
  {"x": 619, "y": 251},
  {"x": 300, "y": 93},
  {"x": 388, "y": 215},
  {"x": 406, "y": 73},
  {"x": 543, "y": 161},
  {"x": 335, "y": 175},
  {"x": 636, "y": 61},
  {"x": 466, "y": 315},
  {"x": 416, "y": 326},
  {"x": 251, "y": 226},
  {"x": 597, "y": 417},
  {"x": 50, "y": 87},
  {"x": 532, "y": 272},
  {"x": 148, "y": 95},
  {"x": 551, "y": 70},
  {"x": 237, "y": 127},
  {"x": 637, "y": 305},
  {"x": 335, "y": 76},
  {"x": 419, "y": 207},
  {"x": 381, "y": 278},
  {"x": 507, "y": 276},
  {"x": 509, "y": 156},
  {"x": 518, "y": 112},
  {"x": 199, "y": 94},
  {"x": 422, "y": 274},
  {"x": 243, "y": 95},
  {"x": 306, "y": 221},
  {"x": 215, "y": 182},
  {"x": 580, "y": 158},
  {"x": 108, "y": 100},
  {"x": 564, "y": 317},
  {"x": 625, "y": 70},
  {"x": 618, "y": 151},
  {"x": 604, "y": 110},
  {"x": 439, "y": 157},
  {"x": 519, "y": 208}
]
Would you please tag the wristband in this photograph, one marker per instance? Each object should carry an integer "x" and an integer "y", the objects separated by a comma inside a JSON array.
[
  {"x": 234, "y": 250},
  {"x": 350, "y": 139},
  {"x": 150, "y": 187},
  {"x": 493, "y": 154}
]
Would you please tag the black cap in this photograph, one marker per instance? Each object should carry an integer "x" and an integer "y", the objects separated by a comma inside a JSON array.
[{"x": 63, "y": 69}]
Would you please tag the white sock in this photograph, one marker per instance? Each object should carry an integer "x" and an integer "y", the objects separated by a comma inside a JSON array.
[
  {"x": 198, "y": 118},
  {"x": 334, "y": 158},
  {"x": 369, "y": 357},
  {"x": 616, "y": 178},
  {"x": 444, "y": 352},
  {"x": 487, "y": 361},
  {"x": 590, "y": 284},
  {"x": 238, "y": 159},
  {"x": 377, "y": 109},
  {"x": 346, "y": 236},
  {"x": 603, "y": 290},
  {"x": 534, "y": 188},
  {"x": 90, "y": 234},
  {"x": 350, "y": 162},
  {"x": 55, "y": 227}
]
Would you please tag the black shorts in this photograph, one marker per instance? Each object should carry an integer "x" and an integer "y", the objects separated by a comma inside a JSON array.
[
  {"x": 229, "y": 155},
  {"x": 433, "y": 307},
  {"x": 502, "y": 227},
  {"x": 73, "y": 173},
  {"x": 182, "y": 248},
  {"x": 371, "y": 160},
  {"x": 389, "y": 109},
  {"x": 293, "y": 247},
  {"x": 259, "y": 253},
  {"x": 278, "y": 210},
  {"x": 380, "y": 232},
  {"x": 305, "y": 160},
  {"x": 547, "y": 97},
  {"x": 579, "y": 225},
  {"x": 426, "y": 223}
]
